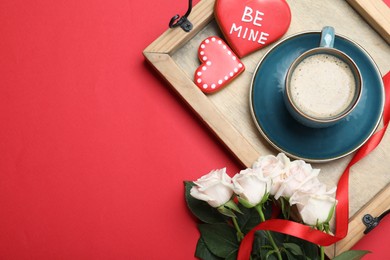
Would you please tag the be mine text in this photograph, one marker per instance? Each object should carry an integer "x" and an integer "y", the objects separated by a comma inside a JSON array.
[{"x": 254, "y": 17}]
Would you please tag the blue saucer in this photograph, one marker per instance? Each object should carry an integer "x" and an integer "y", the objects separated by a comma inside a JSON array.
[{"x": 310, "y": 144}]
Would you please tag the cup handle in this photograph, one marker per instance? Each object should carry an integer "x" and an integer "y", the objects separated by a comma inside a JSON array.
[{"x": 327, "y": 37}]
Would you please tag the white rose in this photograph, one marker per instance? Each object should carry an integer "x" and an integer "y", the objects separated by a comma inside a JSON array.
[
  {"x": 215, "y": 188},
  {"x": 270, "y": 164},
  {"x": 316, "y": 208},
  {"x": 310, "y": 186},
  {"x": 273, "y": 167},
  {"x": 315, "y": 188},
  {"x": 298, "y": 174},
  {"x": 251, "y": 186}
]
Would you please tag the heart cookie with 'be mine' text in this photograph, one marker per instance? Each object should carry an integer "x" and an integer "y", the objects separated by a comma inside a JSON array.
[
  {"x": 249, "y": 25},
  {"x": 219, "y": 65}
]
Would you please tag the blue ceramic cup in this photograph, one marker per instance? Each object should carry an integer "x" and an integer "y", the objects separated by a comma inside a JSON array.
[{"x": 323, "y": 85}]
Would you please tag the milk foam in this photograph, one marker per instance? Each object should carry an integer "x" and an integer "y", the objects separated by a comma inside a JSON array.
[{"x": 322, "y": 86}]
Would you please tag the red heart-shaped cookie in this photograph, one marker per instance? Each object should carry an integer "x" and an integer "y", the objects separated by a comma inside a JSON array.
[
  {"x": 249, "y": 25},
  {"x": 219, "y": 65}
]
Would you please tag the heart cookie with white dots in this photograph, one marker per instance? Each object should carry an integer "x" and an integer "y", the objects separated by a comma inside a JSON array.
[{"x": 219, "y": 65}]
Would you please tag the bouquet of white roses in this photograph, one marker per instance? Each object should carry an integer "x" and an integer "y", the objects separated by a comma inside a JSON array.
[{"x": 230, "y": 207}]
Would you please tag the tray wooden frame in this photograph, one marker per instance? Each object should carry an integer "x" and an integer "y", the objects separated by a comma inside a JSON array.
[
  {"x": 159, "y": 55},
  {"x": 376, "y": 13}
]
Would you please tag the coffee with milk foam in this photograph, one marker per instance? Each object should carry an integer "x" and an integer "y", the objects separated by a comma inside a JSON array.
[{"x": 322, "y": 86}]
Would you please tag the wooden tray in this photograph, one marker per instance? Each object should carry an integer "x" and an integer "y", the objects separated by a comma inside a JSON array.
[
  {"x": 376, "y": 13},
  {"x": 227, "y": 112}
]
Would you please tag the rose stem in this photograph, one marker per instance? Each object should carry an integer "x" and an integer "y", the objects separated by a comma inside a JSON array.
[
  {"x": 240, "y": 235},
  {"x": 322, "y": 252},
  {"x": 260, "y": 210}
]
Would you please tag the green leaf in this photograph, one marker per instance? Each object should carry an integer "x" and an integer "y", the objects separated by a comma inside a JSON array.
[
  {"x": 327, "y": 228},
  {"x": 220, "y": 238},
  {"x": 289, "y": 255},
  {"x": 203, "y": 252},
  {"x": 352, "y": 255},
  {"x": 261, "y": 238},
  {"x": 201, "y": 209},
  {"x": 265, "y": 198},
  {"x": 245, "y": 203},
  {"x": 261, "y": 246},
  {"x": 285, "y": 206},
  {"x": 248, "y": 220},
  {"x": 233, "y": 206},
  {"x": 225, "y": 211},
  {"x": 310, "y": 250},
  {"x": 331, "y": 212},
  {"x": 267, "y": 209},
  {"x": 232, "y": 255},
  {"x": 279, "y": 238},
  {"x": 293, "y": 248},
  {"x": 271, "y": 255}
]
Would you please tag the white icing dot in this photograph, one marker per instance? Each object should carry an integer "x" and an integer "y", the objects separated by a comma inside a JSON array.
[
  {"x": 219, "y": 42},
  {"x": 202, "y": 53},
  {"x": 235, "y": 69},
  {"x": 207, "y": 41},
  {"x": 208, "y": 63},
  {"x": 240, "y": 65},
  {"x": 231, "y": 74},
  {"x": 199, "y": 73},
  {"x": 229, "y": 52},
  {"x": 213, "y": 39},
  {"x": 213, "y": 86},
  {"x": 205, "y": 86},
  {"x": 220, "y": 81},
  {"x": 234, "y": 58},
  {"x": 204, "y": 68},
  {"x": 224, "y": 47},
  {"x": 226, "y": 77},
  {"x": 204, "y": 58},
  {"x": 199, "y": 80},
  {"x": 202, "y": 46}
]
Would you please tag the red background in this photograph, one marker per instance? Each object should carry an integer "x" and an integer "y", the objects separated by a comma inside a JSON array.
[{"x": 94, "y": 146}]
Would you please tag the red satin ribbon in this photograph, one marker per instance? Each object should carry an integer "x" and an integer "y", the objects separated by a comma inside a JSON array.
[{"x": 342, "y": 208}]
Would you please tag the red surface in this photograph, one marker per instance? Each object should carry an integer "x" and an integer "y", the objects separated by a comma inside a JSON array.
[{"x": 94, "y": 147}]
